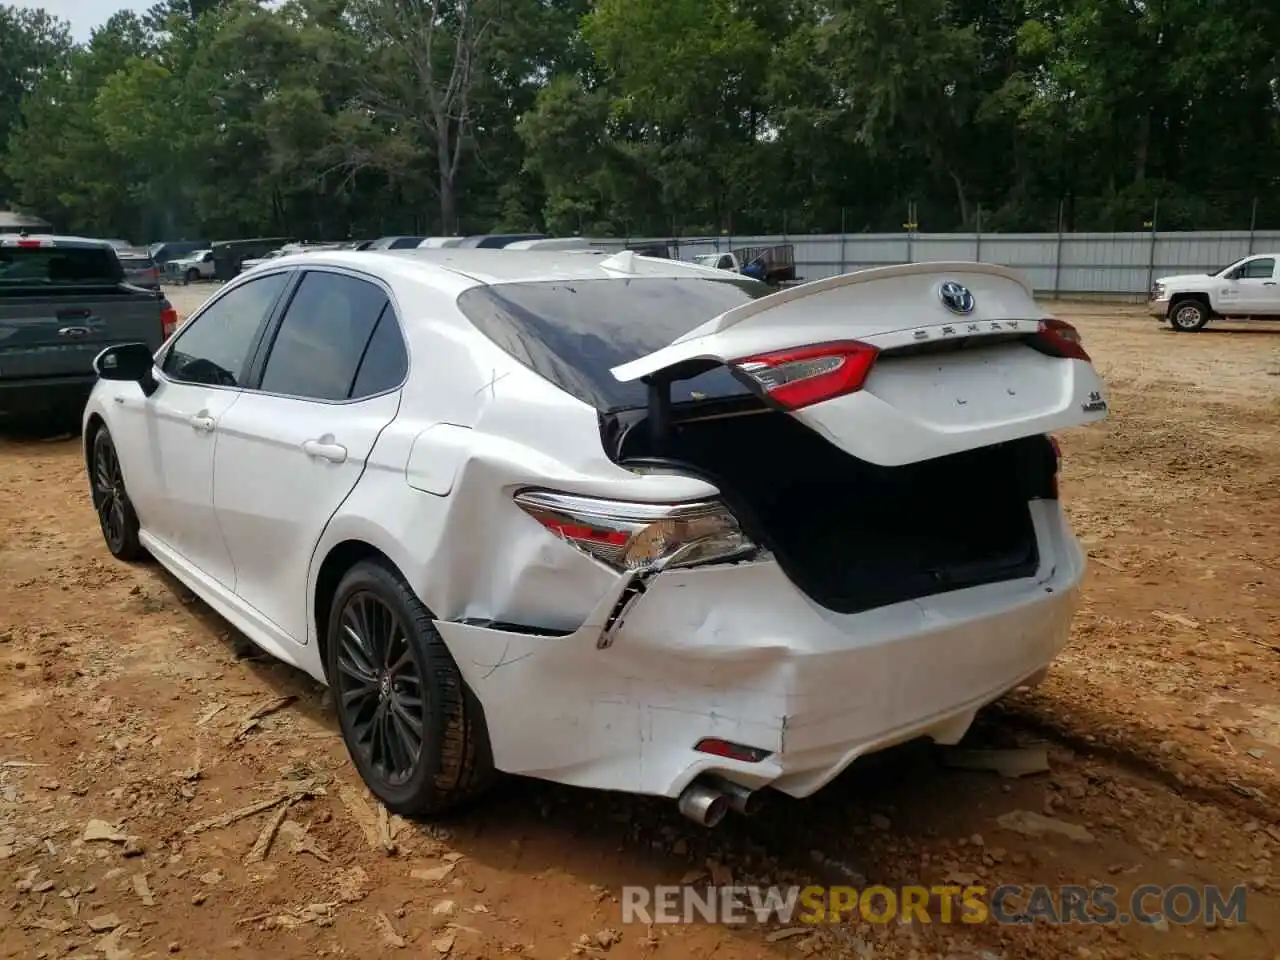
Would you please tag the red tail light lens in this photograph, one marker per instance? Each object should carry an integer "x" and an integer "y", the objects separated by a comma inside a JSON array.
[
  {"x": 168, "y": 321},
  {"x": 807, "y": 375},
  {"x": 733, "y": 751},
  {"x": 1058, "y": 338}
]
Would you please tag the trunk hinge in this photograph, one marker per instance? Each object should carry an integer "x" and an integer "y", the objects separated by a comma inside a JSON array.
[{"x": 659, "y": 410}]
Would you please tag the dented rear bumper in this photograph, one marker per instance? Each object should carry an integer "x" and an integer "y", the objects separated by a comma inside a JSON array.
[{"x": 737, "y": 652}]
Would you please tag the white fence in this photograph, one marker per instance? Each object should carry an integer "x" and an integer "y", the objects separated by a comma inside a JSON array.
[{"x": 1113, "y": 264}]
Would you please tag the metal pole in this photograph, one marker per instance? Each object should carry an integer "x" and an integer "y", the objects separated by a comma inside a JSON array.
[
  {"x": 844, "y": 238},
  {"x": 1253, "y": 224},
  {"x": 1057, "y": 265},
  {"x": 1151, "y": 261},
  {"x": 910, "y": 225},
  {"x": 977, "y": 246}
]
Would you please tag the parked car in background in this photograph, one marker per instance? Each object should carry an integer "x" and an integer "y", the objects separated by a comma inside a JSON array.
[
  {"x": 774, "y": 265},
  {"x": 566, "y": 243},
  {"x": 62, "y": 301},
  {"x": 197, "y": 265},
  {"x": 392, "y": 243},
  {"x": 289, "y": 248},
  {"x": 166, "y": 250},
  {"x": 228, "y": 255},
  {"x": 140, "y": 268},
  {"x": 497, "y": 241},
  {"x": 617, "y": 522},
  {"x": 1246, "y": 289}
]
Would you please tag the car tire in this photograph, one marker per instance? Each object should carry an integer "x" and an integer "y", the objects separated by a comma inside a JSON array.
[
  {"x": 192, "y": 275},
  {"x": 381, "y": 647},
  {"x": 116, "y": 516},
  {"x": 1188, "y": 316}
]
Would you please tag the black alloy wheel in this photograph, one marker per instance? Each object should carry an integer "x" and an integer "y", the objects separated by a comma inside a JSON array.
[
  {"x": 116, "y": 515},
  {"x": 415, "y": 731},
  {"x": 380, "y": 685}
]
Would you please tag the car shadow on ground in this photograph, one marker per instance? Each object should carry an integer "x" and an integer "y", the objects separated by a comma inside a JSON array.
[{"x": 45, "y": 430}]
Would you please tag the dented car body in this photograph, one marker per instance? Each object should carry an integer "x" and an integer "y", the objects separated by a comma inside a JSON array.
[{"x": 677, "y": 533}]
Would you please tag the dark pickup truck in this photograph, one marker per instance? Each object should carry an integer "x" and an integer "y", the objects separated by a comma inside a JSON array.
[{"x": 63, "y": 300}]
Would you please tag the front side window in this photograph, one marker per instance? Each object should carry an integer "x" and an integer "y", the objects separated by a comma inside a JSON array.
[
  {"x": 323, "y": 337},
  {"x": 1263, "y": 269},
  {"x": 216, "y": 347}
]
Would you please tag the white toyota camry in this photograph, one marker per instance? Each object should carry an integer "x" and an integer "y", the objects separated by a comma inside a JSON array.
[{"x": 613, "y": 521}]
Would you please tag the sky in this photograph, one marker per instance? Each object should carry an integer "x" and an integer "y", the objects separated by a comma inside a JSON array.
[{"x": 84, "y": 15}]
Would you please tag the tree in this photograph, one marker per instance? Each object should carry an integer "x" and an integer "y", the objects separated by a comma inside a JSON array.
[
  {"x": 426, "y": 58},
  {"x": 33, "y": 45}
]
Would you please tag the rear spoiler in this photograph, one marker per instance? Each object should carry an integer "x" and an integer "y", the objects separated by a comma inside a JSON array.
[
  {"x": 827, "y": 284},
  {"x": 1013, "y": 300}
]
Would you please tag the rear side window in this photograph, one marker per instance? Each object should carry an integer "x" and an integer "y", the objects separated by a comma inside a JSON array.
[
  {"x": 323, "y": 337},
  {"x": 58, "y": 266},
  {"x": 385, "y": 362},
  {"x": 215, "y": 349},
  {"x": 574, "y": 332}
]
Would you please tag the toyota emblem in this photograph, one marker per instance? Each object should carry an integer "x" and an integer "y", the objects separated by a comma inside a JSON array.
[{"x": 957, "y": 298}]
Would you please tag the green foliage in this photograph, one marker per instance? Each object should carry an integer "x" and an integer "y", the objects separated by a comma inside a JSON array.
[{"x": 330, "y": 118}]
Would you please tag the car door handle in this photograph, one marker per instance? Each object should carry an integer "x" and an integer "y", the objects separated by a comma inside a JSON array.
[
  {"x": 201, "y": 423},
  {"x": 325, "y": 450},
  {"x": 1268, "y": 283}
]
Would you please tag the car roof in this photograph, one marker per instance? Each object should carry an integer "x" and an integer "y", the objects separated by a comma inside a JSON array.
[{"x": 489, "y": 266}]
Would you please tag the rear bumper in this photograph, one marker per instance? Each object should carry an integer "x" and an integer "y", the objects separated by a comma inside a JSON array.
[{"x": 736, "y": 652}]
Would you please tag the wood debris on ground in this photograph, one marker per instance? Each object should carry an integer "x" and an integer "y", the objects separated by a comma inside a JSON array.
[
  {"x": 296, "y": 791},
  {"x": 255, "y": 716},
  {"x": 376, "y": 828}
]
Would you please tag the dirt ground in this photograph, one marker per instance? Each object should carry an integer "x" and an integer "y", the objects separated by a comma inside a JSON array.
[{"x": 124, "y": 700}]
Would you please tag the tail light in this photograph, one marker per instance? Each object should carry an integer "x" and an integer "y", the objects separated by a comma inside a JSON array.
[
  {"x": 168, "y": 321},
  {"x": 807, "y": 375},
  {"x": 1058, "y": 338},
  {"x": 640, "y": 537}
]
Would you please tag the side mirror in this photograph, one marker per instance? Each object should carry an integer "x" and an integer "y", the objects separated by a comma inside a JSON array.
[{"x": 128, "y": 362}]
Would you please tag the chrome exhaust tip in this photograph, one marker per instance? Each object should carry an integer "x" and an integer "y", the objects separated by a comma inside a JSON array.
[
  {"x": 741, "y": 799},
  {"x": 703, "y": 804}
]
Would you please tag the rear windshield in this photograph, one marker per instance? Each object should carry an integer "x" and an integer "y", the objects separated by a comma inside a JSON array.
[
  {"x": 573, "y": 332},
  {"x": 53, "y": 267}
]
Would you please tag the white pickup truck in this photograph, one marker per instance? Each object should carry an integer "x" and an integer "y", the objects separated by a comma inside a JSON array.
[
  {"x": 197, "y": 265},
  {"x": 1247, "y": 288}
]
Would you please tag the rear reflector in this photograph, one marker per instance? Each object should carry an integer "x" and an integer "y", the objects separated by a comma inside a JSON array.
[
  {"x": 733, "y": 751},
  {"x": 26, "y": 244},
  {"x": 1058, "y": 338},
  {"x": 807, "y": 375}
]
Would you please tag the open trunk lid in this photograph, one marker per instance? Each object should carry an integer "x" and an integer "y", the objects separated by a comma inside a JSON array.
[{"x": 900, "y": 364}]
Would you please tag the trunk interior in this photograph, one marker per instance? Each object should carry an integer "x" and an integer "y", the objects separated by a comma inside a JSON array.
[{"x": 853, "y": 535}]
